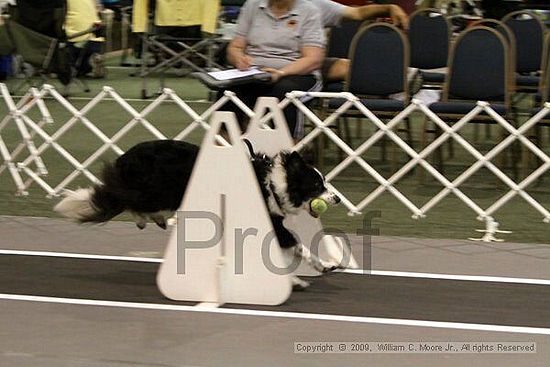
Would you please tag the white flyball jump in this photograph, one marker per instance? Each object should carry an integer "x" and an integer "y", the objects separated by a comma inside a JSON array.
[
  {"x": 215, "y": 251},
  {"x": 223, "y": 248}
]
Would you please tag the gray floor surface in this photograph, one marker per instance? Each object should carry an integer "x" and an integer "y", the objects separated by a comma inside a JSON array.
[{"x": 54, "y": 334}]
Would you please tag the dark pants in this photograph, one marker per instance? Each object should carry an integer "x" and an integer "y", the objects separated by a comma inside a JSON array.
[
  {"x": 248, "y": 93},
  {"x": 80, "y": 56}
]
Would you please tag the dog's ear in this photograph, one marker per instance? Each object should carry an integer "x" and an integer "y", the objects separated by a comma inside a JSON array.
[
  {"x": 297, "y": 156},
  {"x": 295, "y": 160}
]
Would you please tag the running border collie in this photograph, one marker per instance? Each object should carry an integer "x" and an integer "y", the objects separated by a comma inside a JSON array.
[{"x": 150, "y": 179}]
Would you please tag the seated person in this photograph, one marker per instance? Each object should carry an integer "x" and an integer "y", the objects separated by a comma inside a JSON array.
[
  {"x": 332, "y": 14},
  {"x": 85, "y": 49},
  {"x": 284, "y": 38}
]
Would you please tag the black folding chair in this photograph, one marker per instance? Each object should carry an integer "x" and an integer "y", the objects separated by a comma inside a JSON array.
[
  {"x": 479, "y": 70},
  {"x": 40, "y": 55},
  {"x": 43, "y": 44},
  {"x": 529, "y": 33},
  {"x": 6, "y": 45},
  {"x": 430, "y": 37},
  {"x": 338, "y": 45},
  {"x": 507, "y": 33},
  {"x": 375, "y": 76}
]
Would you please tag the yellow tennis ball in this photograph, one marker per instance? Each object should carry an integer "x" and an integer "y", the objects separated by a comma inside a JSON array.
[{"x": 318, "y": 206}]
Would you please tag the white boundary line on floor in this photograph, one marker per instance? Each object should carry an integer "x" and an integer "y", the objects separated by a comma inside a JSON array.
[
  {"x": 280, "y": 314},
  {"x": 80, "y": 256},
  {"x": 441, "y": 276},
  {"x": 472, "y": 278},
  {"x": 204, "y": 101}
]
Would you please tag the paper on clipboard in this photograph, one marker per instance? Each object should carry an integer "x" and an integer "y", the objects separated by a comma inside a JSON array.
[{"x": 234, "y": 73}]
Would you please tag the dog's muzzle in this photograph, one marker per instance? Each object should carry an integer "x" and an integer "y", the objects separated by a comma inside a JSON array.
[{"x": 330, "y": 198}]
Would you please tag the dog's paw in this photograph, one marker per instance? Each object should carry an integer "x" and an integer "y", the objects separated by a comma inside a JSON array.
[
  {"x": 329, "y": 266},
  {"x": 141, "y": 225},
  {"x": 299, "y": 284},
  {"x": 161, "y": 225}
]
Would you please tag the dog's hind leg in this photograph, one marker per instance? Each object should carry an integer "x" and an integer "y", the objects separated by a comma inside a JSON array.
[
  {"x": 141, "y": 221},
  {"x": 314, "y": 261},
  {"x": 159, "y": 220}
]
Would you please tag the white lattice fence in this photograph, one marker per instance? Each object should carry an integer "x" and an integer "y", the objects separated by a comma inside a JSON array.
[
  {"x": 28, "y": 128},
  {"x": 29, "y": 168},
  {"x": 419, "y": 158}
]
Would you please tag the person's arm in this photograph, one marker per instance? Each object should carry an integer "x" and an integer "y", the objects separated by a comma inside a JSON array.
[
  {"x": 399, "y": 17},
  {"x": 235, "y": 51},
  {"x": 310, "y": 61},
  {"x": 236, "y": 55}
]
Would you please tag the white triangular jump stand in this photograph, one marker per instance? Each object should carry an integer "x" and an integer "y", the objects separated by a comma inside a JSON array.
[
  {"x": 307, "y": 228},
  {"x": 223, "y": 184}
]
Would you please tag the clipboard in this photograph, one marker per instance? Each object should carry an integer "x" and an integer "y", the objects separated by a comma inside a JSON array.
[{"x": 225, "y": 79}]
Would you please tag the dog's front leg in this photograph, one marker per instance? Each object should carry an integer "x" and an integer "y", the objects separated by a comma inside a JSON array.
[
  {"x": 314, "y": 261},
  {"x": 298, "y": 284},
  {"x": 287, "y": 240}
]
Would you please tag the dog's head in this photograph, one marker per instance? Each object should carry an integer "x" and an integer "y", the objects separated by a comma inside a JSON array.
[{"x": 304, "y": 183}]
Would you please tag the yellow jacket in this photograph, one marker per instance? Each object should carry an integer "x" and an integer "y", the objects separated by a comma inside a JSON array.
[
  {"x": 178, "y": 13},
  {"x": 81, "y": 15}
]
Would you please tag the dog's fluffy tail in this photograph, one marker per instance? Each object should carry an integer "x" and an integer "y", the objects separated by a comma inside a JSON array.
[{"x": 95, "y": 204}]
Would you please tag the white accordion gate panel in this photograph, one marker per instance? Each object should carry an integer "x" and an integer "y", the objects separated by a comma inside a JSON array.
[{"x": 16, "y": 163}]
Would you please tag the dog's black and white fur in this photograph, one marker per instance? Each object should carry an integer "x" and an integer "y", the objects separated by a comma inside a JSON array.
[{"x": 150, "y": 179}]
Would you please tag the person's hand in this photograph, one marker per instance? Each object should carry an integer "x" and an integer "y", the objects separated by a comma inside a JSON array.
[
  {"x": 399, "y": 17},
  {"x": 97, "y": 29},
  {"x": 243, "y": 62},
  {"x": 276, "y": 74}
]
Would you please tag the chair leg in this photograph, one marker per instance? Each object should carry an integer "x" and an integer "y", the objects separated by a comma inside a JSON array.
[
  {"x": 451, "y": 148},
  {"x": 487, "y": 131},
  {"x": 421, "y": 174},
  {"x": 344, "y": 132},
  {"x": 527, "y": 156},
  {"x": 393, "y": 154},
  {"x": 320, "y": 143},
  {"x": 410, "y": 139},
  {"x": 538, "y": 140},
  {"x": 525, "y": 161},
  {"x": 358, "y": 129},
  {"x": 438, "y": 151},
  {"x": 384, "y": 150},
  {"x": 340, "y": 133},
  {"x": 476, "y": 133},
  {"x": 347, "y": 131},
  {"x": 515, "y": 159},
  {"x": 319, "y": 150}
]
